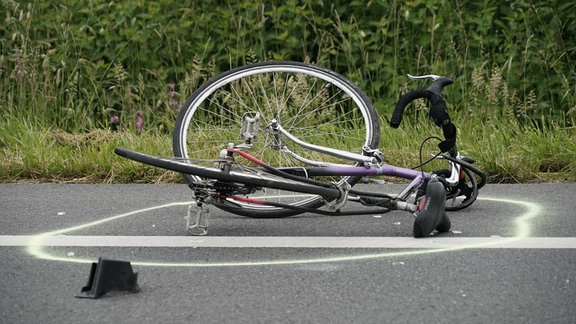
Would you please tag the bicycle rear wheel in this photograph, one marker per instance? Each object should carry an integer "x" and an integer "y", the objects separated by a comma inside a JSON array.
[
  {"x": 249, "y": 176},
  {"x": 316, "y": 105}
]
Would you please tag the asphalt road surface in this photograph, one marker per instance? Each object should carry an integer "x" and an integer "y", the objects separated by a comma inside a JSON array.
[{"x": 510, "y": 258}]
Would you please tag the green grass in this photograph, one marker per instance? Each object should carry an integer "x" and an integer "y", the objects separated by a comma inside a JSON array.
[
  {"x": 43, "y": 155},
  {"x": 65, "y": 72},
  {"x": 507, "y": 152}
]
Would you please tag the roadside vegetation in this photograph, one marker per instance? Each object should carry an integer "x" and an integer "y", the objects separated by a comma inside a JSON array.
[{"x": 78, "y": 78}]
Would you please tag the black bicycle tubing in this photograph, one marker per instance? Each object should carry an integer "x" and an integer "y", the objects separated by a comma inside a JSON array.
[{"x": 187, "y": 168}]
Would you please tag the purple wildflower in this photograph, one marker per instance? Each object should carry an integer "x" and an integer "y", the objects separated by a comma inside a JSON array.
[
  {"x": 114, "y": 119},
  {"x": 175, "y": 103},
  {"x": 139, "y": 122}
]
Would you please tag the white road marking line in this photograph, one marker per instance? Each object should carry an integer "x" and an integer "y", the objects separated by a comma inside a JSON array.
[{"x": 291, "y": 242}]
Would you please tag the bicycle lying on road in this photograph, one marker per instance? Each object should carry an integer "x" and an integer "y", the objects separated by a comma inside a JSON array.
[{"x": 290, "y": 116}]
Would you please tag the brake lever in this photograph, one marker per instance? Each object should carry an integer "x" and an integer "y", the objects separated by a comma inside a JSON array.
[{"x": 434, "y": 77}]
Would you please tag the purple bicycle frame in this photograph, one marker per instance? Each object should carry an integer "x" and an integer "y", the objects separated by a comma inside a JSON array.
[{"x": 417, "y": 177}]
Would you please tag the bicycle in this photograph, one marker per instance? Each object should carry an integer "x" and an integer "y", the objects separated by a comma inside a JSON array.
[{"x": 288, "y": 113}]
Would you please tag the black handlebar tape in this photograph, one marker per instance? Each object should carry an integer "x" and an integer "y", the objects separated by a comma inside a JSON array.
[
  {"x": 438, "y": 111},
  {"x": 438, "y": 85},
  {"x": 449, "y": 144},
  {"x": 404, "y": 100}
]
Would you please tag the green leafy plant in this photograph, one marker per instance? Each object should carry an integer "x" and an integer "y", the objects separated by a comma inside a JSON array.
[{"x": 72, "y": 66}]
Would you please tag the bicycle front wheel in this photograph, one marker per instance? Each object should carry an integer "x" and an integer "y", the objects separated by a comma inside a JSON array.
[{"x": 315, "y": 105}]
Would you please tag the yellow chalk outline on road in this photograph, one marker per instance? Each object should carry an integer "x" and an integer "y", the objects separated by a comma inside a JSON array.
[{"x": 36, "y": 246}]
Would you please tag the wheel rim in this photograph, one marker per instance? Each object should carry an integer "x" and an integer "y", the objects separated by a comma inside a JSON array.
[{"x": 315, "y": 105}]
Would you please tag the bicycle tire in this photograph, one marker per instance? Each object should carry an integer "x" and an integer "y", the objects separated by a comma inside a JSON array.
[
  {"x": 269, "y": 181},
  {"x": 312, "y": 103},
  {"x": 472, "y": 184}
]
